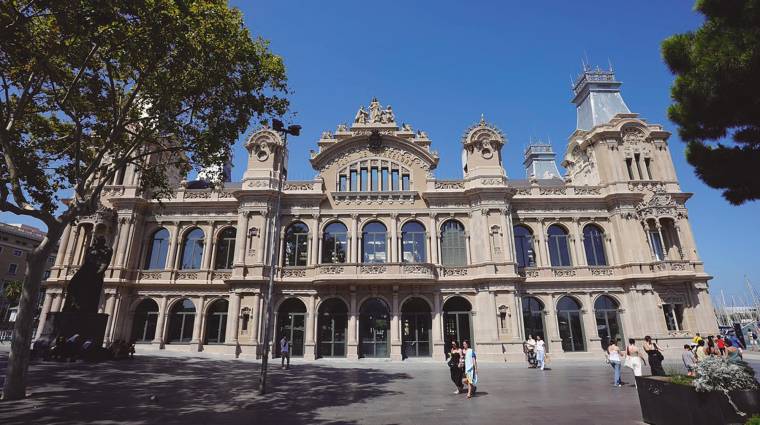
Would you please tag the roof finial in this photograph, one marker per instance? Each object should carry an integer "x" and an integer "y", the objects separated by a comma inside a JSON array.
[
  {"x": 482, "y": 118},
  {"x": 610, "y": 63}
]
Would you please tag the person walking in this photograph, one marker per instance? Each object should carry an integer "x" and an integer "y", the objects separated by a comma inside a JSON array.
[
  {"x": 711, "y": 350},
  {"x": 456, "y": 367},
  {"x": 470, "y": 368},
  {"x": 285, "y": 351},
  {"x": 634, "y": 359},
  {"x": 540, "y": 352},
  {"x": 689, "y": 360},
  {"x": 654, "y": 354},
  {"x": 530, "y": 351},
  {"x": 613, "y": 356},
  {"x": 753, "y": 340}
]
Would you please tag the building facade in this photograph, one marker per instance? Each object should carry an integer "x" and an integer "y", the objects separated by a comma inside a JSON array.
[
  {"x": 379, "y": 258},
  {"x": 16, "y": 241}
]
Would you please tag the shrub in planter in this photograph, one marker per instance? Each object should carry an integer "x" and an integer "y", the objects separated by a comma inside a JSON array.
[{"x": 716, "y": 374}]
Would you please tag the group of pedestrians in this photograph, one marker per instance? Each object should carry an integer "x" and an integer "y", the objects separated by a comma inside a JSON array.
[
  {"x": 535, "y": 352},
  {"x": 729, "y": 347},
  {"x": 463, "y": 366},
  {"x": 633, "y": 358}
]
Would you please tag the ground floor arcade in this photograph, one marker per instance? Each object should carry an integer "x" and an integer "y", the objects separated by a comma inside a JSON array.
[{"x": 399, "y": 323}]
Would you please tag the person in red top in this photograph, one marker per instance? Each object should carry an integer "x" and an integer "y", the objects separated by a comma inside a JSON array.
[{"x": 721, "y": 345}]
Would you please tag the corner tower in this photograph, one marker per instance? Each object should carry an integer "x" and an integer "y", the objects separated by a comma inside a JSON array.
[
  {"x": 597, "y": 98},
  {"x": 481, "y": 156}
]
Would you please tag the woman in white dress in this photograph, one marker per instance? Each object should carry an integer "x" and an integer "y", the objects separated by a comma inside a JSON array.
[
  {"x": 634, "y": 359},
  {"x": 540, "y": 352},
  {"x": 470, "y": 368}
]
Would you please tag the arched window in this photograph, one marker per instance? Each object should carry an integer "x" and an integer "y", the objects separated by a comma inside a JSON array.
[
  {"x": 413, "y": 242},
  {"x": 593, "y": 242},
  {"x": 158, "y": 246},
  {"x": 374, "y": 236},
  {"x": 453, "y": 244},
  {"x": 533, "y": 317},
  {"x": 334, "y": 243},
  {"x": 181, "y": 321},
  {"x": 374, "y": 175},
  {"x": 559, "y": 248},
  {"x": 192, "y": 250},
  {"x": 297, "y": 245},
  {"x": 607, "y": 323},
  {"x": 216, "y": 322},
  {"x": 524, "y": 246},
  {"x": 570, "y": 325},
  {"x": 144, "y": 325},
  {"x": 225, "y": 249}
]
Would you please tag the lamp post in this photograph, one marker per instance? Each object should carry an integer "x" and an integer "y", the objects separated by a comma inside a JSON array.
[{"x": 274, "y": 245}]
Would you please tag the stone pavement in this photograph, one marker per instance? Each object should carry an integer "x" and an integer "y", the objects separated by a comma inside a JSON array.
[{"x": 192, "y": 390}]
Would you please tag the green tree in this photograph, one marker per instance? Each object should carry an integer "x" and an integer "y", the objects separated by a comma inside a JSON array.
[
  {"x": 716, "y": 95},
  {"x": 89, "y": 87},
  {"x": 12, "y": 290}
]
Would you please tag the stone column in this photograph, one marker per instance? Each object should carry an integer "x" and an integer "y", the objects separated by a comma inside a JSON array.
[
  {"x": 161, "y": 323},
  {"x": 395, "y": 327},
  {"x": 662, "y": 241},
  {"x": 72, "y": 247},
  {"x": 315, "y": 236},
  {"x": 241, "y": 236},
  {"x": 196, "y": 342},
  {"x": 59, "y": 257},
  {"x": 124, "y": 231},
  {"x": 542, "y": 256},
  {"x": 110, "y": 306},
  {"x": 209, "y": 244},
  {"x": 352, "y": 352},
  {"x": 433, "y": 240},
  {"x": 309, "y": 343},
  {"x": 57, "y": 302},
  {"x": 438, "y": 343},
  {"x": 493, "y": 314},
  {"x": 233, "y": 319},
  {"x": 513, "y": 313},
  {"x": 46, "y": 305},
  {"x": 171, "y": 263},
  {"x": 579, "y": 247},
  {"x": 393, "y": 241},
  {"x": 551, "y": 329},
  {"x": 509, "y": 240},
  {"x": 354, "y": 254},
  {"x": 255, "y": 314},
  {"x": 589, "y": 321}
]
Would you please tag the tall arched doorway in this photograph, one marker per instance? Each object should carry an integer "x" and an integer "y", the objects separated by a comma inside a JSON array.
[
  {"x": 457, "y": 313},
  {"x": 332, "y": 324},
  {"x": 607, "y": 320},
  {"x": 415, "y": 328},
  {"x": 291, "y": 322},
  {"x": 181, "y": 321},
  {"x": 144, "y": 324},
  {"x": 216, "y": 322},
  {"x": 533, "y": 317},
  {"x": 570, "y": 325},
  {"x": 374, "y": 324}
]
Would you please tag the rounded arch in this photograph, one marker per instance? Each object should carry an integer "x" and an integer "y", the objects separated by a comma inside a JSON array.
[
  {"x": 413, "y": 242},
  {"x": 172, "y": 304},
  {"x": 324, "y": 225},
  {"x": 557, "y": 226},
  {"x": 606, "y": 302},
  {"x": 371, "y": 220},
  {"x": 221, "y": 229},
  {"x": 557, "y": 236},
  {"x": 139, "y": 299},
  {"x": 291, "y": 302},
  {"x": 333, "y": 155},
  {"x": 523, "y": 236},
  {"x": 416, "y": 304},
  {"x": 216, "y": 321},
  {"x": 457, "y": 303},
  {"x": 451, "y": 223},
  {"x": 144, "y": 320},
  {"x": 374, "y": 242},
  {"x": 383, "y": 298},
  {"x": 593, "y": 244},
  {"x": 158, "y": 249},
  {"x": 533, "y": 311},
  {"x": 184, "y": 231},
  {"x": 532, "y": 303},
  {"x": 332, "y": 324},
  {"x": 332, "y": 301},
  {"x": 334, "y": 242},
  {"x": 374, "y": 327},
  {"x": 225, "y": 248},
  {"x": 568, "y": 303},
  {"x": 212, "y": 301},
  {"x": 182, "y": 314},
  {"x": 453, "y": 243}
]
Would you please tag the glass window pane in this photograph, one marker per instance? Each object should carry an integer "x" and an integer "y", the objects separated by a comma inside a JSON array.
[
  {"x": 354, "y": 181},
  {"x": 405, "y": 182},
  {"x": 375, "y": 179},
  {"x": 385, "y": 184},
  {"x": 394, "y": 180},
  {"x": 364, "y": 179},
  {"x": 342, "y": 183}
]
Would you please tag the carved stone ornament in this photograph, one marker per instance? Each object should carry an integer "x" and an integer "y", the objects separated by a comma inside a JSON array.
[
  {"x": 587, "y": 190},
  {"x": 187, "y": 275},
  {"x": 150, "y": 275},
  {"x": 372, "y": 269},
  {"x": 563, "y": 272},
  {"x": 299, "y": 186},
  {"x": 375, "y": 115},
  {"x": 287, "y": 272},
  {"x": 455, "y": 271},
  {"x": 449, "y": 184},
  {"x": 416, "y": 269},
  {"x": 552, "y": 191},
  {"x": 661, "y": 204},
  {"x": 601, "y": 272},
  {"x": 331, "y": 270}
]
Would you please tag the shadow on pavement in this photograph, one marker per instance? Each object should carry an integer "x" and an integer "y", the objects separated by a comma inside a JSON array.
[{"x": 189, "y": 391}]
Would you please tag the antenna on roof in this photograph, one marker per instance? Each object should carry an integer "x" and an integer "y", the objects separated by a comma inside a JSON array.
[
  {"x": 585, "y": 62},
  {"x": 610, "y": 63}
]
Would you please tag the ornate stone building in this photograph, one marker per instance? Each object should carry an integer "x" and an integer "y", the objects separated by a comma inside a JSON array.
[{"x": 379, "y": 258}]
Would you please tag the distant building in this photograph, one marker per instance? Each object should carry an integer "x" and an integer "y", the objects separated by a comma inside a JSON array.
[
  {"x": 16, "y": 241},
  {"x": 380, "y": 258}
]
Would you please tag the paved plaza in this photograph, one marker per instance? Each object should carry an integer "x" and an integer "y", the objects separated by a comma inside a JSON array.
[{"x": 195, "y": 390}]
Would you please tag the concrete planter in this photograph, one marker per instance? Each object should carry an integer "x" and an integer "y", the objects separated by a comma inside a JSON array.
[{"x": 664, "y": 403}]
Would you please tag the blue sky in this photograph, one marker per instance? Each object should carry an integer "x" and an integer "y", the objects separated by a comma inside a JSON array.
[{"x": 440, "y": 64}]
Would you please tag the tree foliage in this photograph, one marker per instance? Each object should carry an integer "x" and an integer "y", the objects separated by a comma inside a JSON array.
[
  {"x": 88, "y": 87},
  {"x": 12, "y": 290},
  {"x": 716, "y": 95}
]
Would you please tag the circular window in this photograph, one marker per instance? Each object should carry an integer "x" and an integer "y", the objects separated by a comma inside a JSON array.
[
  {"x": 487, "y": 154},
  {"x": 261, "y": 153}
]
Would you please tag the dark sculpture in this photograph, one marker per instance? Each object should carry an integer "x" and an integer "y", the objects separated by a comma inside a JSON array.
[{"x": 85, "y": 288}]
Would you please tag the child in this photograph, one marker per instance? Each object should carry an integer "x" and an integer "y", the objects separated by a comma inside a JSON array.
[{"x": 689, "y": 360}]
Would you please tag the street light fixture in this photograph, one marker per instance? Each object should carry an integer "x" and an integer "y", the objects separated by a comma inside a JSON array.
[{"x": 274, "y": 244}]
